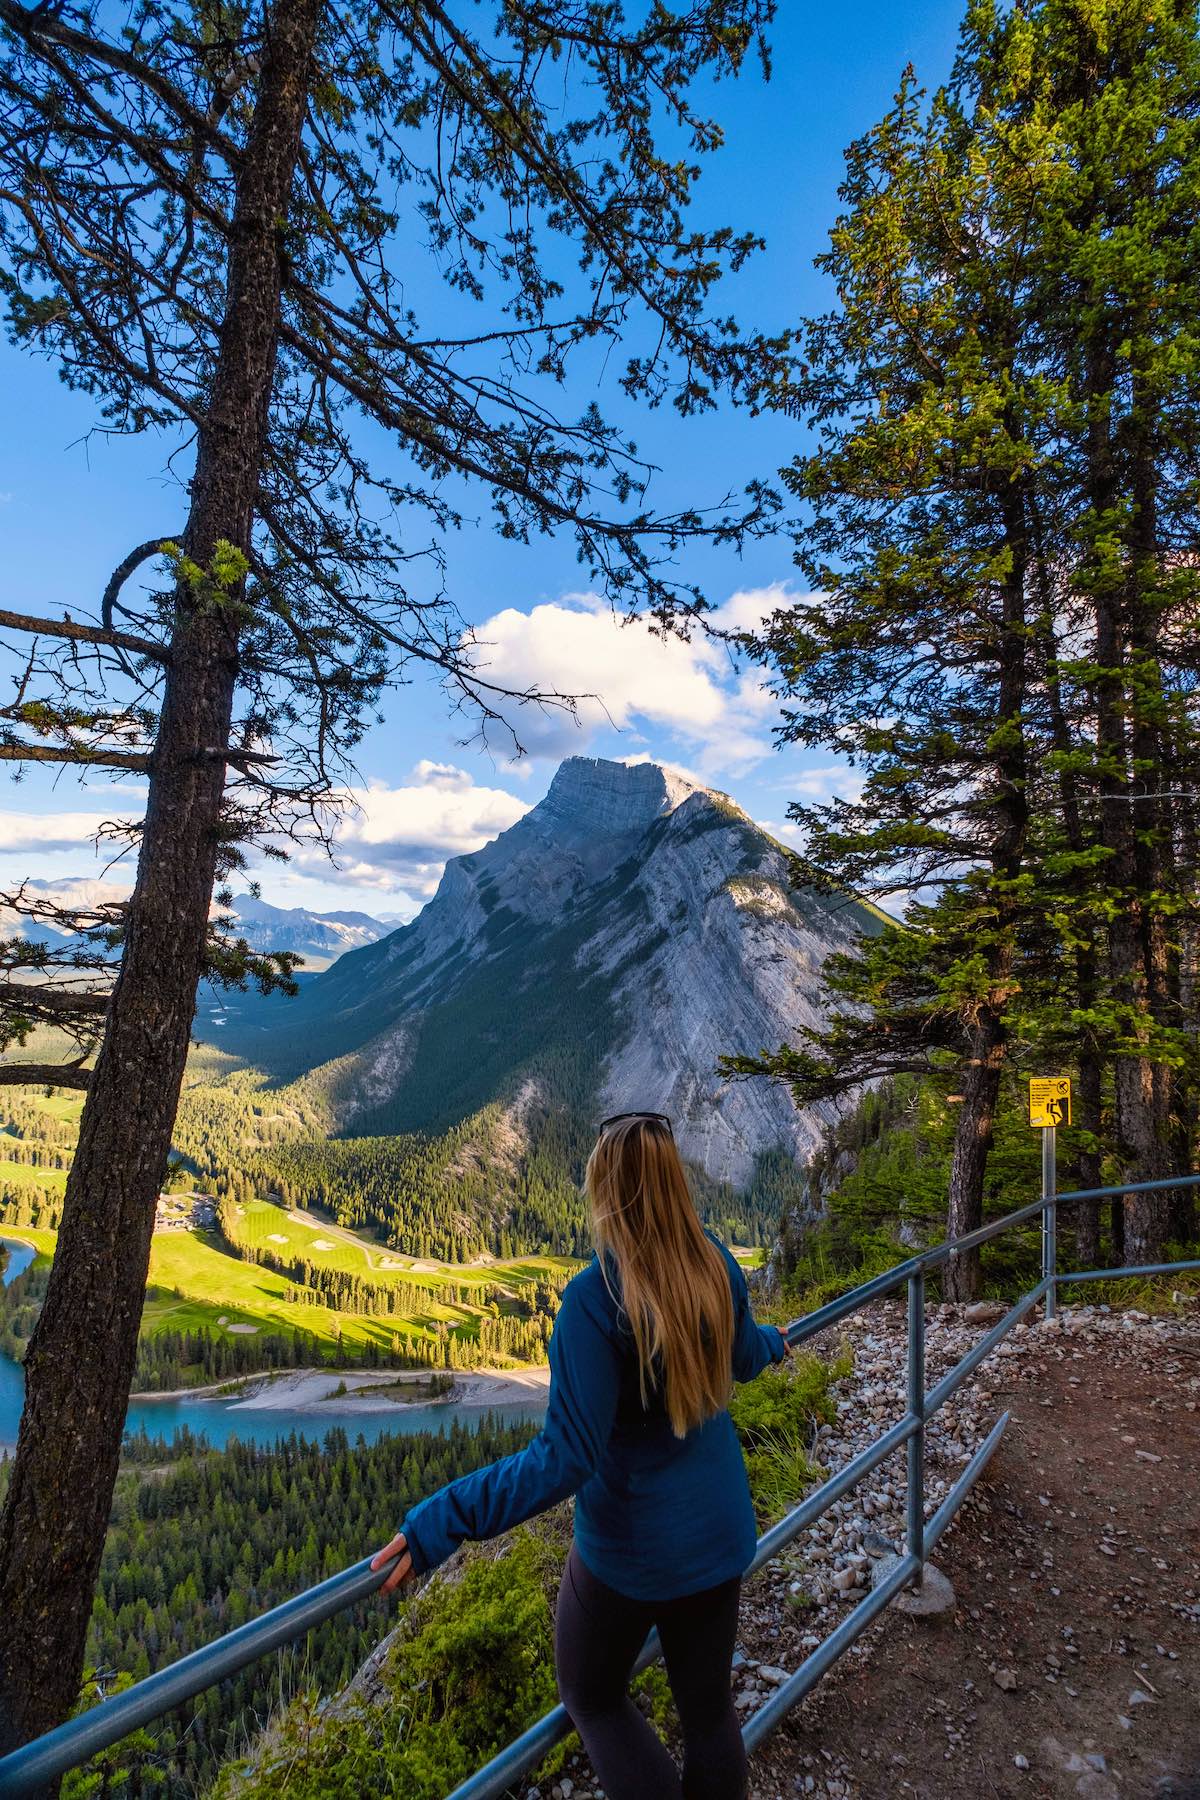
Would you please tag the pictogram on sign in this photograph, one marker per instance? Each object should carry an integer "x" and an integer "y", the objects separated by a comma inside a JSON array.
[{"x": 1050, "y": 1100}]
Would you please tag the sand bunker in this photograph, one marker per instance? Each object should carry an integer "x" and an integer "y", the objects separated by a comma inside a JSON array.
[
  {"x": 276, "y": 1237},
  {"x": 244, "y": 1330},
  {"x": 321, "y": 1244},
  {"x": 390, "y": 1262}
]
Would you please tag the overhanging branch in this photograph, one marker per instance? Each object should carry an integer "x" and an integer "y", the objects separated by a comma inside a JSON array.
[
  {"x": 139, "y": 760},
  {"x": 26, "y": 997},
  {"x": 72, "y": 1075},
  {"x": 84, "y": 634}
]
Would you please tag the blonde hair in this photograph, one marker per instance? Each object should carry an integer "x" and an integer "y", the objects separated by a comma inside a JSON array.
[{"x": 674, "y": 1284}]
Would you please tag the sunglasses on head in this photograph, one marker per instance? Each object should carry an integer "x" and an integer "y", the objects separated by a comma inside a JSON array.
[{"x": 617, "y": 1117}]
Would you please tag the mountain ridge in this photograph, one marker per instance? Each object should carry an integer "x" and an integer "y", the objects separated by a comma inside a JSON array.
[
  {"x": 319, "y": 937},
  {"x": 600, "y": 954}
]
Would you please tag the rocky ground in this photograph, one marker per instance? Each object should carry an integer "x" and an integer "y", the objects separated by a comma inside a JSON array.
[{"x": 1069, "y": 1663}]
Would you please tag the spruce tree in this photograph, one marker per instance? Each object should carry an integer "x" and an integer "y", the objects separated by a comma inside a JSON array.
[
  {"x": 1001, "y": 526},
  {"x": 209, "y": 219}
]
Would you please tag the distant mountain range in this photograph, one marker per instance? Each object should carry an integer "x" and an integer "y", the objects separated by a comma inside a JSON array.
[
  {"x": 320, "y": 938},
  {"x": 599, "y": 955}
]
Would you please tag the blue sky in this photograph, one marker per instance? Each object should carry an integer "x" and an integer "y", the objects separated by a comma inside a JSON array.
[{"x": 71, "y": 508}]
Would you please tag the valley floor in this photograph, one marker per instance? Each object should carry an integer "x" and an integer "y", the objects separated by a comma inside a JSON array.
[{"x": 299, "y": 1388}]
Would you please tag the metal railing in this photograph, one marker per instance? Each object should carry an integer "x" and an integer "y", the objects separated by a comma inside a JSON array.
[{"x": 68, "y": 1746}]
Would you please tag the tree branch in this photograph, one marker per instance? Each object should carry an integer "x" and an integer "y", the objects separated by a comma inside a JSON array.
[
  {"x": 121, "y": 574},
  {"x": 139, "y": 760},
  {"x": 85, "y": 634},
  {"x": 28, "y": 997},
  {"x": 32, "y": 23},
  {"x": 72, "y": 1075}
]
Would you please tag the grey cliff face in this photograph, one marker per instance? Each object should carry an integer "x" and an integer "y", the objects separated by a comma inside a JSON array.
[
  {"x": 648, "y": 916},
  {"x": 735, "y": 967}
]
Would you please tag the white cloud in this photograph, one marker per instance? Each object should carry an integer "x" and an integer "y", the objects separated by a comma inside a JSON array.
[
  {"x": 836, "y": 781},
  {"x": 629, "y": 678},
  {"x": 401, "y": 837},
  {"x": 750, "y": 608},
  {"x": 393, "y": 840},
  {"x": 816, "y": 786},
  {"x": 32, "y": 833},
  {"x": 441, "y": 775}
]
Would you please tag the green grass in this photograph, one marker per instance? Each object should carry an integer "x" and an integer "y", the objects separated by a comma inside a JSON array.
[
  {"x": 59, "y": 1105},
  {"x": 262, "y": 1225},
  {"x": 42, "y": 1241},
  {"x": 751, "y": 1256},
  {"x": 195, "y": 1282},
  {"x": 14, "y": 1174}
]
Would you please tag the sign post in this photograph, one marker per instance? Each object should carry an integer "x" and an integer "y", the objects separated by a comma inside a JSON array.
[{"x": 1049, "y": 1107}]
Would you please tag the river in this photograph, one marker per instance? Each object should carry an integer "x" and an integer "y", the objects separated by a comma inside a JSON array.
[{"x": 223, "y": 1419}]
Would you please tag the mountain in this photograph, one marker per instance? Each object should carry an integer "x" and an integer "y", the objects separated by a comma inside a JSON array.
[
  {"x": 599, "y": 955},
  {"x": 81, "y": 895},
  {"x": 320, "y": 938}
]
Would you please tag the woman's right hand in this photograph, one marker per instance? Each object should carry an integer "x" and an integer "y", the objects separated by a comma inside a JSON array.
[{"x": 403, "y": 1570}]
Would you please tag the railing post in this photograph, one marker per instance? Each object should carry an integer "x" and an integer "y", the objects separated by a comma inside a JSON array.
[
  {"x": 916, "y": 1405},
  {"x": 1049, "y": 1218}
]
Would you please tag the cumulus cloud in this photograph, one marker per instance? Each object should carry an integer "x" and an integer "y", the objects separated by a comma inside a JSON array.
[
  {"x": 389, "y": 839},
  {"x": 35, "y": 833},
  {"x": 630, "y": 679},
  {"x": 401, "y": 837}
]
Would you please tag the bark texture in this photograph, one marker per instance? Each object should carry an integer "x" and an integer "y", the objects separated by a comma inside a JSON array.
[
  {"x": 80, "y": 1359},
  {"x": 972, "y": 1143},
  {"x": 988, "y": 1032}
]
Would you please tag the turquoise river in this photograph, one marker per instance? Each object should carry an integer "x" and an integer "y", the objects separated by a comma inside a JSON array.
[{"x": 222, "y": 1419}]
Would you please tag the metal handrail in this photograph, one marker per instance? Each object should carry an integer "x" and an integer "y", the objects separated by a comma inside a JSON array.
[{"x": 41, "y": 1762}]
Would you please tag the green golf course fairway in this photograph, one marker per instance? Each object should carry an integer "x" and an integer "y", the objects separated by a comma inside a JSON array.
[{"x": 197, "y": 1284}]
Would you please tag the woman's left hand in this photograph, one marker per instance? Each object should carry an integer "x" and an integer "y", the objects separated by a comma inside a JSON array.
[{"x": 403, "y": 1570}]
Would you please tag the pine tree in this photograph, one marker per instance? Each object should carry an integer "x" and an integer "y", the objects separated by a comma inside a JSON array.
[
  {"x": 1003, "y": 529},
  {"x": 208, "y": 220}
]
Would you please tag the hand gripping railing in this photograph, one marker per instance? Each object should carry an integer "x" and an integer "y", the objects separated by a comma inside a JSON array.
[{"x": 40, "y": 1763}]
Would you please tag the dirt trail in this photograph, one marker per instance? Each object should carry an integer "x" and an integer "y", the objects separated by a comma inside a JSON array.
[{"x": 1071, "y": 1664}]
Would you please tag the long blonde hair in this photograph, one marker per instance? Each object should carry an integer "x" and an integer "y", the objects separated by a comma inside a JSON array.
[{"x": 674, "y": 1284}]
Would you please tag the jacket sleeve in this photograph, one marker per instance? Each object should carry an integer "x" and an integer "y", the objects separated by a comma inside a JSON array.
[
  {"x": 754, "y": 1345},
  {"x": 584, "y": 1383}
]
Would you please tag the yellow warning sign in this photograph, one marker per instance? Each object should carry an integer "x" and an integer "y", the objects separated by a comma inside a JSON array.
[{"x": 1050, "y": 1100}]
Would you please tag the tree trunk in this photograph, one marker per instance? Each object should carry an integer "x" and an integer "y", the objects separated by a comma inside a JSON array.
[
  {"x": 80, "y": 1359},
  {"x": 1140, "y": 1086},
  {"x": 1149, "y": 771},
  {"x": 1087, "y": 1212},
  {"x": 1116, "y": 1229},
  {"x": 988, "y": 1036},
  {"x": 972, "y": 1143},
  {"x": 1087, "y": 981},
  {"x": 1142, "y": 1147}
]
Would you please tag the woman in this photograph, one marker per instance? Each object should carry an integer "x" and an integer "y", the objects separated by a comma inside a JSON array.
[{"x": 645, "y": 1347}]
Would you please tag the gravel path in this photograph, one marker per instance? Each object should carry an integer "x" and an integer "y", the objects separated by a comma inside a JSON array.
[{"x": 1070, "y": 1665}]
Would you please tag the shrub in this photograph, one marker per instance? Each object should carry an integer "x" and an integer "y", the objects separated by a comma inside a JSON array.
[
  {"x": 471, "y": 1667},
  {"x": 777, "y": 1417}
]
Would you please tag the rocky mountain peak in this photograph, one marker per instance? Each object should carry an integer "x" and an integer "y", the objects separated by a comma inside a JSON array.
[
  {"x": 592, "y": 796},
  {"x": 610, "y": 947}
]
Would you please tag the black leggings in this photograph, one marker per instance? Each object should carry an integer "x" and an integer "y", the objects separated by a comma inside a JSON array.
[{"x": 598, "y": 1634}]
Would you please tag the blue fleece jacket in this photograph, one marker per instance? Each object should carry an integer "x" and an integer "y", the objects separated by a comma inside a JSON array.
[{"x": 656, "y": 1516}]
